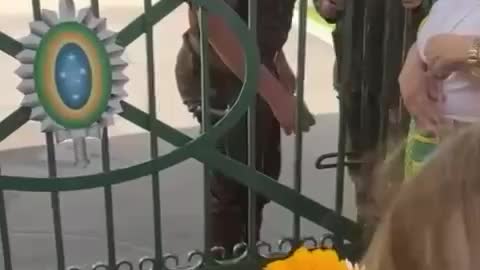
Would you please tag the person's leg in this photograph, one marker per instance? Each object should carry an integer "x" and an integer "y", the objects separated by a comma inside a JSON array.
[
  {"x": 363, "y": 140},
  {"x": 229, "y": 198},
  {"x": 227, "y": 225},
  {"x": 268, "y": 156}
]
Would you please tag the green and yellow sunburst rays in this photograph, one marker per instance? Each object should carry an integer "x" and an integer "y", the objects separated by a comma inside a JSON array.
[{"x": 72, "y": 72}]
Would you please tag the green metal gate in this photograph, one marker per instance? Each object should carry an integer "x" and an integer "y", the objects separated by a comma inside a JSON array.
[
  {"x": 200, "y": 148},
  {"x": 361, "y": 19}
]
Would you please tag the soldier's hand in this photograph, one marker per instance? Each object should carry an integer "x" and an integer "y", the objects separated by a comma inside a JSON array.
[
  {"x": 308, "y": 119},
  {"x": 411, "y": 4},
  {"x": 285, "y": 112}
]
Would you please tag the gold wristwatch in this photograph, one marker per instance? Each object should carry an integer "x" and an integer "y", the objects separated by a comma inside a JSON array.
[{"x": 473, "y": 57}]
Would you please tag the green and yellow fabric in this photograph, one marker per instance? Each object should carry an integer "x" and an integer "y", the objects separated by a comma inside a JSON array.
[{"x": 420, "y": 146}]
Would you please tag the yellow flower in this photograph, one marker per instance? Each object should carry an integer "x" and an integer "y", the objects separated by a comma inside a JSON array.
[
  {"x": 303, "y": 259},
  {"x": 278, "y": 265},
  {"x": 327, "y": 260}
]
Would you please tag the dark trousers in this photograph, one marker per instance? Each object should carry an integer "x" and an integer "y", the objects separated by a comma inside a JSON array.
[
  {"x": 363, "y": 139},
  {"x": 229, "y": 199},
  {"x": 362, "y": 127}
]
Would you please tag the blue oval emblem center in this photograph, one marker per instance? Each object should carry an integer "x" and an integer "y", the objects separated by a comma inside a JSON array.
[{"x": 73, "y": 76}]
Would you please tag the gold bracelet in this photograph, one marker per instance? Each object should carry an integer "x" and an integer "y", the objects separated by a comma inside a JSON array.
[
  {"x": 473, "y": 58},
  {"x": 473, "y": 54}
]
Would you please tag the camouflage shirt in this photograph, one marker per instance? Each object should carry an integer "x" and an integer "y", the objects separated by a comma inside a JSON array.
[{"x": 274, "y": 21}]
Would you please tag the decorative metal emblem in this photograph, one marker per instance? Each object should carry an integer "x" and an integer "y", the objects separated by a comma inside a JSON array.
[{"x": 72, "y": 72}]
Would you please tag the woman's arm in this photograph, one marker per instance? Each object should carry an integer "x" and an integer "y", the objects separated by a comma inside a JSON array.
[
  {"x": 447, "y": 53},
  {"x": 419, "y": 92}
]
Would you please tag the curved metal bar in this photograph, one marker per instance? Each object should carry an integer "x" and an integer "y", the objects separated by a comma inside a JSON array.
[
  {"x": 286, "y": 242},
  {"x": 325, "y": 239},
  {"x": 170, "y": 257},
  {"x": 218, "y": 252},
  {"x": 195, "y": 260},
  {"x": 100, "y": 266},
  {"x": 195, "y": 264},
  {"x": 233, "y": 260},
  {"x": 124, "y": 265},
  {"x": 264, "y": 245},
  {"x": 240, "y": 249},
  {"x": 247, "y": 94},
  {"x": 311, "y": 240},
  {"x": 145, "y": 262}
]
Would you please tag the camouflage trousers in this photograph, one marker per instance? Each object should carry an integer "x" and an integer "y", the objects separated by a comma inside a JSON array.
[
  {"x": 228, "y": 198},
  {"x": 362, "y": 141}
]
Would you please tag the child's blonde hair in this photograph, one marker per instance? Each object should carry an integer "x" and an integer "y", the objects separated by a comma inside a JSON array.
[{"x": 434, "y": 221}]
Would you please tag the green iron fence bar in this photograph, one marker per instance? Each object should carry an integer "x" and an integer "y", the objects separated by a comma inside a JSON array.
[
  {"x": 235, "y": 114},
  {"x": 9, "y": 45},
  {"x": 300, "y": 85},
  {"x": 262, "y": 184},
  {"x": 400, "y": 32},
  {"x": 107, "y": 190},
  {"x": 37, "y": 10},
  {"x": 252, "y": 146},
  {"x": 349, "y": 48},
  {"x": 50, "y": 141},
  {"x": 162, "y": 8},
  {"x": 55, "y": 202},
  {"x": 110, "y": 227},
  {"x": 52, "y": 172},
  {"x": 137, "y": 27},
  {"x": 206, "y": 125},
  {"x": 152, "y": 112},
  {"x": 392, "y": 59},
  {"x": 6, "y": 251},
  {"x": 13, "y": 122}
]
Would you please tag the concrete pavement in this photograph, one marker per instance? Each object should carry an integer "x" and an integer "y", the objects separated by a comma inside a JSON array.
[{"x": 29, "y": 214}]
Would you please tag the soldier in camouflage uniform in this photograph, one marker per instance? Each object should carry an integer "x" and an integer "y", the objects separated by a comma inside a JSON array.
[
  {"x": 362, "y": 141},
  {"x": 275, "y": 108}
]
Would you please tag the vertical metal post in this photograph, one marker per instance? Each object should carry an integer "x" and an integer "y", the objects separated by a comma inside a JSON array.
[
  {"x": 206, "y": 125},
  {"x": 37, "y": 11},
  {"x": 347, "y": 81},
  {"x": 362, "y": 5},
  {"x": 252, "y": 144},
  {"x": 392, "y": 62},
  {"x": 7, "y": 256},
  {"x": 52, "y": 172},
  {"x": 300, "y": 84},
  {"x": 55, "y": 201},
  {"x": 80, "y": 152},
  {"x": 105, "y": 147},
  {"x": 152, "y": 110}
]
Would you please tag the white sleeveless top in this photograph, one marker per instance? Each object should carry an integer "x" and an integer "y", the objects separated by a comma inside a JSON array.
[{"x": 462, "y": 90}]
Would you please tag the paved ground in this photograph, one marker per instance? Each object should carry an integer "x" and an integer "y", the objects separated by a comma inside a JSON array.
[{"x": 83, "y": 213}]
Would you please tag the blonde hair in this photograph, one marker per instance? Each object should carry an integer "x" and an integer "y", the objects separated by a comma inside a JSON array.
[{"x": 434, "y": 221}]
